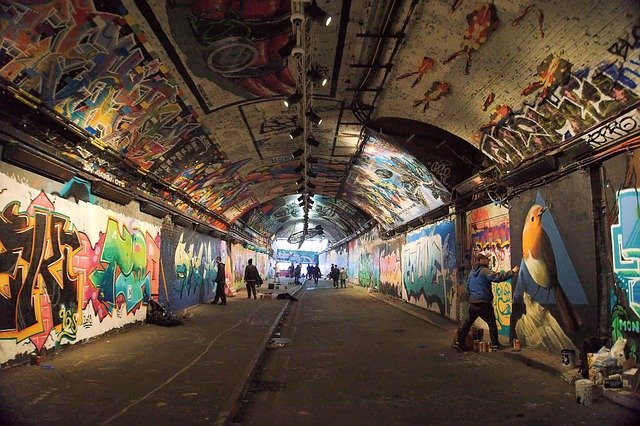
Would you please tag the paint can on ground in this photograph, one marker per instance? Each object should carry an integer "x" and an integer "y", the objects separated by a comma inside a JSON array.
[
  {"x": 516, "y": 344},
  {"x": 584, "y": 391},
  {"x": 568, "y": 357}
]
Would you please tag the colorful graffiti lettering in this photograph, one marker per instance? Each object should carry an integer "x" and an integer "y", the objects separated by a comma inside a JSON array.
[
  {"x": 37, "y": 280},
  {"x": 429, "y": 265},
  {"x": 365, "y": 271},
  {"x": 489, "y": 233},
  {"x": 89, "y": 66},
  {"x": 626, "y": 267},
  {"x": 391, "y": 269},
  {"x": 196, "y": 268},
  {"x": 123, "y": 269},
  {"x": 589, "y": 97}
]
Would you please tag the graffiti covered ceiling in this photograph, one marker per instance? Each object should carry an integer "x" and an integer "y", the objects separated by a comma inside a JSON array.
[{"x": 188, "y": 95}]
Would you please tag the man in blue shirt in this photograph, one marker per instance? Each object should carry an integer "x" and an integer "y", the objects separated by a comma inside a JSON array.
[{"x": 481, "y": 299}]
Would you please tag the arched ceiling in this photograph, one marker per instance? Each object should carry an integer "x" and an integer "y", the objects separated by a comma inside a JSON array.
[{"x": 185, "y": 97}]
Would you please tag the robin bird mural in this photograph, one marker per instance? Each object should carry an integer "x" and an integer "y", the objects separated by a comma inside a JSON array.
[{"x": 538, "y": 256}]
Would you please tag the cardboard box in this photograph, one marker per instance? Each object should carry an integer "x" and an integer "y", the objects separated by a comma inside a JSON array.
[{"x": 631, "y": 377}]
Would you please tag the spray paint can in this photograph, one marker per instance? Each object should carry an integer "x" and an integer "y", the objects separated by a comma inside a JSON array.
[{"x": 516, "y": 344}]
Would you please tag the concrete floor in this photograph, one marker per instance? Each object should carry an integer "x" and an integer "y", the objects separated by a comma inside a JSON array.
[{"x": 351, "y": 359}]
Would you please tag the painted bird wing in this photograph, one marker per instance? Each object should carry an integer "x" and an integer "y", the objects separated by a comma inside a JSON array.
[{"x": 549, "y": 258}]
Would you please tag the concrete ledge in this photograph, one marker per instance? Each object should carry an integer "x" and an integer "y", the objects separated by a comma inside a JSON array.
[{"x": 232, "y": 405}]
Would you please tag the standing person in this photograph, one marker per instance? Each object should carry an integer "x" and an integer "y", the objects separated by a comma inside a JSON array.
[
  {"x": 343, "y": 278},
  {"x": 296, "y": 273},
  {"x": 481, "y": 299},
  {"x": 335, "y": 275},
  {"x": 251, "y": 277},
  {"x": 316, "y": 274},
  {"x": 220, "y": 284}
]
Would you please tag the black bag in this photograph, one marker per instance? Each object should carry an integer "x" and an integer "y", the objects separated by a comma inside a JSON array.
[
  {"x": 259, "y": 281},
  {"x": 158, "y": 314}
]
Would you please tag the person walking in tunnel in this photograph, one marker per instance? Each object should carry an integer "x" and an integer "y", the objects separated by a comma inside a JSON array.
[
  {"x": 220, "y": 284},
  {"x": 251, "y": 277},
  {"x": 296, "y": 273},
  {"x": 334, "y": 274},
  {"x": 481, "y": 299},
  {"x": 343, "y": 278},
  {"x": 316, "y": 274}
]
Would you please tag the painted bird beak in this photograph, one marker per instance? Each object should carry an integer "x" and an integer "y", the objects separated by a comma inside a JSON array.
[{"x": 544, "y": 209}]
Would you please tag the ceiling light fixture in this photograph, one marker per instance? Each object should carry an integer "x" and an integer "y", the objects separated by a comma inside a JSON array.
[
  {"x": 317, "y": 14},
  {"x": 292, "y": 99},
  {"x": 317, "y": 78},
  {"x": 299, "y": 168},
  {"x": 313, "y": 141},
  {"x": 296, "y": 132},
  {"x": 314, "y": 118},
  {"x": 297, "y": 153},
  {"x": 312, "y": 174}
]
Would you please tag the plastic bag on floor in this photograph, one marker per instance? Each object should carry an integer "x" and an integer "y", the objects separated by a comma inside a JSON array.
[
  {"x": 278, "y": 342},
  {"x": 158, "y": 314},
  {"x": 617, "y": 351}
]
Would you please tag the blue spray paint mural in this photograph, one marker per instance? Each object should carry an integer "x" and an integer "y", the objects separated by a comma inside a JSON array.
[
  {"x": 429, "y": 265},
  {"x": 625, "y": 296}
]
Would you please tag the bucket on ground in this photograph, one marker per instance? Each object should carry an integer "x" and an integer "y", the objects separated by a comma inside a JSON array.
[{"x": 584, "y": 391}]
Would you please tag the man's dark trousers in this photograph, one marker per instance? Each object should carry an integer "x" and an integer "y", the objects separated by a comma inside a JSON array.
[{"x": 483, "y": 310}]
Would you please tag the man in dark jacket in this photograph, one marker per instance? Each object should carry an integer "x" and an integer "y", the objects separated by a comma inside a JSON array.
[
  {"x": 481, "y": 299},
  {"x": 251, "y": 277},
  {"x": 220, "y": 284}
]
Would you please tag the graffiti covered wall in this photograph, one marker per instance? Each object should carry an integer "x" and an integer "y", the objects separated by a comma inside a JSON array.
[
  {"x": 488, "y": 232},
  {"x": 239, "y": 258},
  {"x": 69, "y": 273},
  {"x": 189, "y": 268},
  {"x": 552, "y": 240},
  {"x": 622, "y": 221},
  {"x": 429, "y": 266},
  {"x": 389, "y": 261}
]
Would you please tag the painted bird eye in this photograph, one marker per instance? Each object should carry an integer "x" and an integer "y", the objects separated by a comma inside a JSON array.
[{"x": 532, "y": 218}]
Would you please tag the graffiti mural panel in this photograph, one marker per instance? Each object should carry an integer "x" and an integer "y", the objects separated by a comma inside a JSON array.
[
  {"x": 391, "y": 185},
  {"x": 297, "y": 256},
  {"x": 552, "y": 235},
  {"x": 429, "y": 266},
  {"x": 189, "y": 266},
  {"x": 68, "y": 273},
  {"x": 389, "y": 259},
  {"x": 622, "y": 222},
  {"x": 488, "y": 232}
]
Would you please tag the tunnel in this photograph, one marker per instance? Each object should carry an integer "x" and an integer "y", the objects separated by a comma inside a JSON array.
[{"x": 150, "y": 149}]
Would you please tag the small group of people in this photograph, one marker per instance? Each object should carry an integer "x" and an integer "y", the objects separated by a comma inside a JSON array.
[
  {"x": 336, "y": 274},
  {"x": 313, "y": 273},
  {"x": 252, "y": 279}
]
